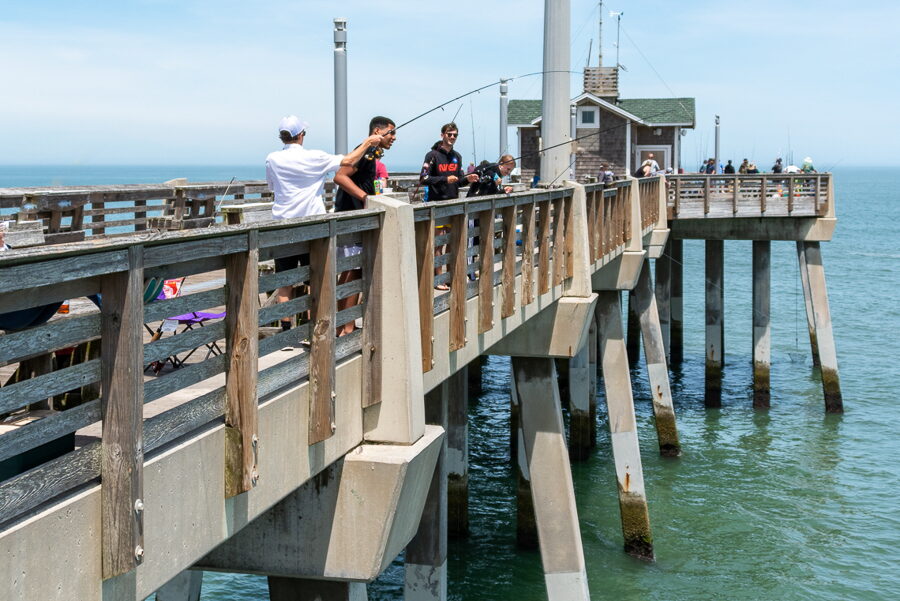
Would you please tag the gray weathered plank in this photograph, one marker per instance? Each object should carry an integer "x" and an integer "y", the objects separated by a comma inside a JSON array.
[{"x": 322, "y": 282}]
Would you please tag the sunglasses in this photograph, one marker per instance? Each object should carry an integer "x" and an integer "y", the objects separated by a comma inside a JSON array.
[{"x": 453, "y": 135}]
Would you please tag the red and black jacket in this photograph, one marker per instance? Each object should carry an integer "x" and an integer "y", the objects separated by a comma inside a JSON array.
[{"x": 438, "y": 166}]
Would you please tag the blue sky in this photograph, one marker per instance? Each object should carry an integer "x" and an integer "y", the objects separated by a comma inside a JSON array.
[{"x": 205, "y": 82}]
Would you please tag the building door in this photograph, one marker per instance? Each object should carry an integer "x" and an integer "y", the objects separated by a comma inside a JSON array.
[{"x": 662, "y": 155}]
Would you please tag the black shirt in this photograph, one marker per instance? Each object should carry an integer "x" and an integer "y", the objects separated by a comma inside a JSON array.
[{"x": 364, "y": 178}]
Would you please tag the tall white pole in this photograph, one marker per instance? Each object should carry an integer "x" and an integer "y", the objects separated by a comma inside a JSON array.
[
  {"x": 555, "y": 92},
  {"x": 717, "y": 144},
  {"x": 504, "y": 118},
  {"x": 573, "y": 133},
  {"x": 340, "y": 86}
]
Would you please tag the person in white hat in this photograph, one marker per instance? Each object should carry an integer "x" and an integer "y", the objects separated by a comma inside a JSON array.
[{"x": 296, "y": 177}]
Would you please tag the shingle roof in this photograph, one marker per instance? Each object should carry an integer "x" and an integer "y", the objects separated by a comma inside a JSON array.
[
  {"x": 523, "y": 112},
  {"x": 660, "y": 110},
  {"x": 651, "y": 110}
]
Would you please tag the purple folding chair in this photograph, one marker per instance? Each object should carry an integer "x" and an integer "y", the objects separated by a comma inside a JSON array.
[{"x": 188, "y": 321}]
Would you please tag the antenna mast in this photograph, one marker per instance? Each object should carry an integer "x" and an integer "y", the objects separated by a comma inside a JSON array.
[{"x": 600, "y": 36}]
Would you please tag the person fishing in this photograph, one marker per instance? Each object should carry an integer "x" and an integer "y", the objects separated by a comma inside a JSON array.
[
  {"x": 356, "y": 182},
  {"x": 442, "y": 173},
  {"x": 490, "y": 177}
]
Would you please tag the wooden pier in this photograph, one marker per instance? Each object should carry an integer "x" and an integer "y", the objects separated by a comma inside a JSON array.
[{"x": 142, "y": 477}]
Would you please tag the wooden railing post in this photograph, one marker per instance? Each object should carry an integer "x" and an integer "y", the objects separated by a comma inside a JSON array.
[
  {"x": 459, "y": 235},
  {"x": 569, "y": 209},
  {"x": 508, "y": 284},
  {"x": 121, "y": 405},
  {"x": 706, "y": 184},
  {"x": 241, "y": 368},
  {"x": 486, "y": 270},
  {"x": 528, "y": 239},
  {"x": 558, "y": 242},
  {"x": 322, "y": 284},
  {"x": 544, "y": 248},
  {"x": 425, "y": 268}
]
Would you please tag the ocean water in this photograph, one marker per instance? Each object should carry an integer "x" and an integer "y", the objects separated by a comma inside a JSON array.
[{"x": 788, "y": 504}]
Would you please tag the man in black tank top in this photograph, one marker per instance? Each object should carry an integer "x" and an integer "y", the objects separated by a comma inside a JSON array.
[{"x": 355, "y": 183}]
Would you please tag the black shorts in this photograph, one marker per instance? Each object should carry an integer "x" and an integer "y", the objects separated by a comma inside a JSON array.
[{"x": 292, "y": 262}]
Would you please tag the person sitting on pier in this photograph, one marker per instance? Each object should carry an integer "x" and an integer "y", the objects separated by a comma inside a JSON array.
[
  {"x": 654, "y": 166},
  {"x": 807, "y": 166},
  {"x": 729, "y": 168},
  {"x": 745, "y": 165},
  {"x": 296, "y": 177},
  {"x": 356, "y": 182},
  {"x": 645, "y": 170},
  {"x": 778, "y": 167}
]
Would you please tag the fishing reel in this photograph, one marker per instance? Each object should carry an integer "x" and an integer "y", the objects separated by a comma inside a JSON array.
[{"x": 374, "y": 152}]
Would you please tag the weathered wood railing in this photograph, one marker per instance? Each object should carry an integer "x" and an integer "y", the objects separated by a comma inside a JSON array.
[
  {"x": 223, "y": 385},
  {"x": 649, "y": 192},
  {"x": 69, "y": 213},
  {"x": 609, "y": 218},
  {"x": 525, "y": 245},
  {"x": 760, "y": 195}
]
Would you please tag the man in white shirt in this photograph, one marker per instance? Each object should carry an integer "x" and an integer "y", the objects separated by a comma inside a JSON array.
[{"x": 296, "y": 176}]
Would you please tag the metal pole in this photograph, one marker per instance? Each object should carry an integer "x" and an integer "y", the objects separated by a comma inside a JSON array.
[
  {"x": 573, "y": 133},
  {"x": 504, "y": 119},
  {"x": 340, "y": 86},
  {"x": 600, "y": 36},
  {"x": 555, "y": 92},
  {"x": 717, "y": 144}
]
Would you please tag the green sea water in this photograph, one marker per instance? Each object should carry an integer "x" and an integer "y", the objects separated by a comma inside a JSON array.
[{"x": 788, "y": 504}]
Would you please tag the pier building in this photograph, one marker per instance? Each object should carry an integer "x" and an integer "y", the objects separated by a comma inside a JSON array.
[{"x": 319, "y": 464}]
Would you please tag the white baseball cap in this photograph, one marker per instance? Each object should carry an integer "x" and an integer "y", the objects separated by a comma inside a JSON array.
[{"x": 293, "y": 125}]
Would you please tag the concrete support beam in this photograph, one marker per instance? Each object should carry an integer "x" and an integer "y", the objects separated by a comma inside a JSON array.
[
  {"x": 184, "y": 587},
  {"x": 810, "y": 257},
  {"x": 426, "y": 553},
  {"x": 818, "y": 229},
  {"x": 762, "y": 329},
  {"x": 557, "y": 331},
  {"x": 623, "y": 428},
  {"x": 715, "y": 321},
  {"x": 392, "y": 371},
  {"x": 593, "y": 352},
  {"x": 526, "y": 526},
  {"x": 552, "y": 490},
  {"x": 348, "y": 523},
  {"x": 657, "y": 370},
  {"x": 664, "y": 295},
  {"x": 807, "y": 301},
  {"x": 676, "y": 308},
  {"x": 299, "y": 589},
  {"x": 458, "y": 453},
  {"x": 633, "y": 340},
  {"x": 580, "y": 440}
]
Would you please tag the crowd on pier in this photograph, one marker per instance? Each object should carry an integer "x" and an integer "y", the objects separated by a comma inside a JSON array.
[{"x": 748, "y": 167}]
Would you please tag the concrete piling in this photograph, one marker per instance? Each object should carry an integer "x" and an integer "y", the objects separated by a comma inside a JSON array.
[
  {"x": 526, "y": 526},
  {"x": 663, "y": 290},
  {"x": 593, "y": 351},
  {"x": 623, "y": 428},
  {"x": 580, "y": 438},
  {"x": 633, "y": 340},
  {"x": 425, "y": 576},
  {"x": 715, "y": 323},
  {"x": 657, "y": 370},
  {"x": 762, "y": 330},
  {"x": 676, "y": 327},
  {"x": 552, "y": 491},
  {"x": 458, "y": 453},
  {"x": 302, "y": 589},
  {"x": 810, "y": 257},
  {"x": 807, "y": 301}
]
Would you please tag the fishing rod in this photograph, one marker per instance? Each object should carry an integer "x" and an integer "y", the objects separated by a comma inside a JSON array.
[{"x": 475, "y": 91}]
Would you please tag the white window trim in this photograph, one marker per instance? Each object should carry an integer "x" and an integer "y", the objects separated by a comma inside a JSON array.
[{"x": 583, "y": 109}]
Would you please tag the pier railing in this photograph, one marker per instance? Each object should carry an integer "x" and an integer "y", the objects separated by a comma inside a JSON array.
[
  {"x": 90, "y": 367},
  {"x": 697, "y": 196}
]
